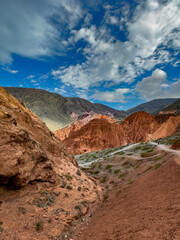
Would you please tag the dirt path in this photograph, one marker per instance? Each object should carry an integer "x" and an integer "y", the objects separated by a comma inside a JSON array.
[{"x": 167, "y": 149}]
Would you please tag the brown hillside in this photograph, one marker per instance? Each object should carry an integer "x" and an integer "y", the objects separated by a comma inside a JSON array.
[
  {"x": 40, "y": 185},
  {"x": 146, "y": 210},
  {"x": 100, "y": 134},
  {"x": 82, "y": 120},
  {"x": 96, "y": 135}
]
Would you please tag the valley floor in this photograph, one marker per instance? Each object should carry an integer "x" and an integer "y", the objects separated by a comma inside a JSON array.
[{"x": 144, "y": 204}]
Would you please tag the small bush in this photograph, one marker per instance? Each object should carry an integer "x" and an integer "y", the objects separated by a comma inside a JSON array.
[
  {"x": 120, "y": 153},
  {"x": 157, "y": 165},
  {"x": 137, "y": 166},
  {"x": 69, "y": 187},
  {"x": 68, "y": 176},
  {"x": 39, "y": 226},
  {"x": 93, "y": 166},
  {"x": 49, "y": 220},
  {"x": 108, "y": 166},
  {"x": 103, "y": 180},
  {"x": 121, "y": 175},
  {"x": 1, "y": 229},
  {"x": 78, "y": 172},
  {"x": 79, "y": 189},
  {"x": 116, "y": 171},
  {"x": 96, "y": 172},
  {"x": 157, "y": 159}
]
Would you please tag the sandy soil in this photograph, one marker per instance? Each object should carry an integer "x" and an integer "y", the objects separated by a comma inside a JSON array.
[{"x": 147, "y": 209}]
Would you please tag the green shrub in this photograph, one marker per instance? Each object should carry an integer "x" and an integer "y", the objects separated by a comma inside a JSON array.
[
  {"x": 93, "y": 166},
  {"x": 68, "y": 176},
  {"x": 116, "y": 171},
  {"x": 157, "y": 165},
  {"x": 108, "y": 166},
  {"x": 78, "y": 172},
  {"x": 103, "y": 180},
  {"x": 121, "y": 175},
  {"x": 157, "y": 159}
]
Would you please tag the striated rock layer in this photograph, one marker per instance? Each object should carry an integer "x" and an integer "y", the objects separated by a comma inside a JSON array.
[
  {"x": 101, "y": 134},
  {"x": 40, "y": 182},
  {"x": 82, "y": 120}
]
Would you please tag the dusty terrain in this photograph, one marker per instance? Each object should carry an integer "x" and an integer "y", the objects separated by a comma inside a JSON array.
[
  {"x": 141, "y": 201},
  {"x": 42, "y": 190}
]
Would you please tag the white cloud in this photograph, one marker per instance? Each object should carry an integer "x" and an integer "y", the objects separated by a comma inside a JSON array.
[
  {"x": 111, "y": 96},
  {"x": 108, "y": 59},
  {"x": 30, "y": 76},
  {"x": 10, "y": 70},
  {"x": 155, "y": 86},
  {"x": 27, "y": 29}
]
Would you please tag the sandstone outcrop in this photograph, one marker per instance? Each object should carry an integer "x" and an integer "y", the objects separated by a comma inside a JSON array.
[
  {"x": 40, "y": 181},
  {"x": 82, "y": 120},
  {"x": 101, "y": 134}
]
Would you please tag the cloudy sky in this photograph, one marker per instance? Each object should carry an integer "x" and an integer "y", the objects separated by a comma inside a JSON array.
[{"x": 120, "y": 53}]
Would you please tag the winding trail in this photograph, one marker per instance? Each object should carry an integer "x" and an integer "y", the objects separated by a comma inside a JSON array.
[{"x": 166, "y": 148}]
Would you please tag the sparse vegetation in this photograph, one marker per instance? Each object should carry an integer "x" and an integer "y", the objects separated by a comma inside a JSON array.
[
  {"x": 157, "y": 159},
  {"x": 157, "y": 165},
  {"x": 108, "y": 166},
  {"x": 68, "y": 176},
  {"x": 69, "y": 187},
  {"x": 103, "y": 180},
  {"x": 49, "y": 220},
  {"x": 96, "y": 172},
  {"x": 93, "y": 166},
  {"x": 122, "y": 175},
  {"x": 39, "y": 226},
  {"x": 116, "y": 171},
  {"x": 78, "y": 172}
]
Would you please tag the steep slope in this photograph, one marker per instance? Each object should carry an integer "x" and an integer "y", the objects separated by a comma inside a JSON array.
[
  {"x": 153, "y": 106},
  {"x": 36, "y": 174},
  {"x": 82, "y": 120},
  {"x": 172, "y": 108},
  {"x": 58, "y": 111},
  {"x": 100, "y": 134},
  {"x": 147, "y": 209}
]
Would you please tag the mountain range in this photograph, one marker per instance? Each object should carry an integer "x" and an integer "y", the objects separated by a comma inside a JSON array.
[
  {"x": 101, "y": 134},
  {"x": 59, "y": 112}
]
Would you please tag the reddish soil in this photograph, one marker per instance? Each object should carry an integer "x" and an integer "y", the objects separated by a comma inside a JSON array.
[
  {"x": 101, "y": 134},
  {"x": 149, "y": 209},
  {"x": 42, "y": 190}
]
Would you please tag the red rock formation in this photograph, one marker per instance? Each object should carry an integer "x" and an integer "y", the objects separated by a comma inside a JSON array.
[
  {"x": 100, "y": 134},
  {"x": 176, "y": 145},
  {"x": 82, "y": 120},
  {"x": 37, "y": 173},
  {"x": 96, "y": 135}
]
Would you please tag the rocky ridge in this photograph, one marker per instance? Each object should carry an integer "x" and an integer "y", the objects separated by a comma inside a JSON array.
[
  {"x": 41, "y": 187},
  {"x": 100, "y": 134}
]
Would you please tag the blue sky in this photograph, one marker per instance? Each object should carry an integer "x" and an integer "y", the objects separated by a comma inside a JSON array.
[{"x": 120, "y": 53}]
